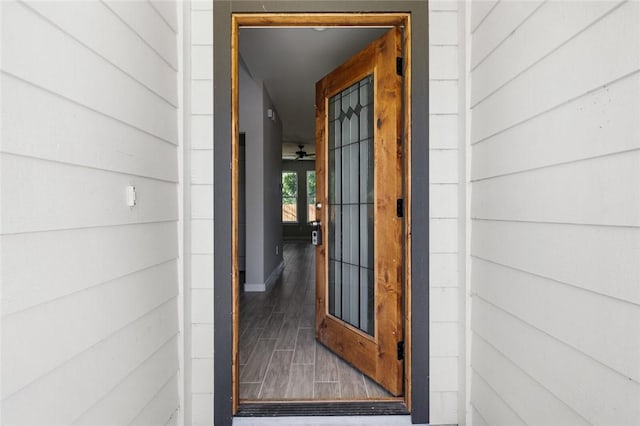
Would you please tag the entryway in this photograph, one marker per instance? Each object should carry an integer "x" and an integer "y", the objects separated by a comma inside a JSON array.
[{"x": 414, "y": 385}]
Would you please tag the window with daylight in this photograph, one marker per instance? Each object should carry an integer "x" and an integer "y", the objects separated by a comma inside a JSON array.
[
  {"x": 311, "y": 195},
  {"x": 289, "y": 197}
]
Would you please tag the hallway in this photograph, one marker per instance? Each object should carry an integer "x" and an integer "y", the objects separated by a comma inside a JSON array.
[{"x": 279, "y": 357}]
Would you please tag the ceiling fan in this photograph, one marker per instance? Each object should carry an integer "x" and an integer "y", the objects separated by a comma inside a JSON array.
[{"x": 301, "y": 153}]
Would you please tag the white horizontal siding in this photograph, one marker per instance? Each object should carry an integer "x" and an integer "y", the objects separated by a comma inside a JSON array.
[
  {"x": 555, "y": 208},
  {"x": 568, "y": 65},
  {"x": 60, "y": 64},
  {"x": 599, "y": 259},
  {"x": 71, "y": 196},
  {"x": 92, "y": 379},
  {"x": 62, "y": 134},
  {"x": 99, "y": 255},
  {"x": 511, "y": 59},
  {"x": 591, "y": 191},
  {"x": 587, "y": 327},
  {"x": 121, "y": 405},
  {"x": 592, "y": 389},
  {"x": 103, "y": 310},
  {"x": 503, "y": 20},
  {"x": 89, "y": 285},
  {"x": 518, "y": 389},
  {"x": 598, "y": 123},
  {"x": 102, "y": 31}
]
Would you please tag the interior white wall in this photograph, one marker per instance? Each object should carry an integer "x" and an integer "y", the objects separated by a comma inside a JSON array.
[
  {"x": 272, "y": 190},
  {"x": 90, "y": 286},
  {"x": 263, "y": 160},
  {"x": 251, "y": 123},
  {"x": 555, "y": 148}
]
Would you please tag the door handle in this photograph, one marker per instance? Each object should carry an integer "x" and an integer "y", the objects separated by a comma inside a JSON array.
[{"x": 316, "y": 234}]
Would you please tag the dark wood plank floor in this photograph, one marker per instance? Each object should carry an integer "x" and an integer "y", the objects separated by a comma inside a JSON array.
[{"x": 279, "y": 356}]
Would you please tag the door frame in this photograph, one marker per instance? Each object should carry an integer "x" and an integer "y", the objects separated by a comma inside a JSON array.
[{"x": 228, "y": 16}]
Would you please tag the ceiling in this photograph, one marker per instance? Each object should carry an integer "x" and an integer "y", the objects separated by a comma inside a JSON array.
[{"x": 289, "y": 61}]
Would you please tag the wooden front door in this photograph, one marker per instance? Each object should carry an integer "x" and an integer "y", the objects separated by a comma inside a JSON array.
[{"x": 359, "y": 262}]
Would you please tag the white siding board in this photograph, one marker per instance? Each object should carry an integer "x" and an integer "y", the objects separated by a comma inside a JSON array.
[
  {"x": 443, "y": 62},
  {"x": 168, "y": 11},
  {"x": 202, "y": 27},
  {"x": 202, "y": 409},
  {"x": 607, "y": 256},
  {"x": 70, "y": 133},
  {"x": 566, "y": 65},
  {"x": 531, "y": 401},
  {"x": 587, "y": 326},
  {"x": 443, "y": 270},
  {"x": 599, "y": 123},
  {"x": 443, "y": 5},
  {"x": 202, "y": 236},
  {"x": 202, "y": 271},
  {"x": 547, "y": 29},
  {"x": 202, "y": 97},
  {"x": 202, "y": 167},
  {"x": 504, "y": 19},
  {"x": 443, "y": 339},
  {"x": 443, "y": 97},
  {"x": 443, "y": 201},
  {"x": 62, "y": 65},
  {"x": 123, "y": 402},
  {"x": 201, "y": 62},
  {"x": 202, "y": 202},
  {"x": 476, "y": 418},
  {"x": 98, "y": 197},
  {"x": 443, "y": 374},
  {"x": 443, "y": 131},
  {"x": 202, "y": 375},
  {"x": 491, "y": 407},
  {"x": 443, "y": 166},
  {"x": 89, "y": 317},
  {"x": 202, "y": 306},
  {"x": 96, "y": 27},
  {"x": 443, "y": 304},
  {"x": 99, "y": 255},
  {"x": 443, "y": 236},
  {"x": 480, "y": 9},
  {"x": 163, "y": 405},
  {"x": 443, "y": 408},
  {"x": 599, "y": 394},
  {"x": 443, "y": 28},
  {"x": 62, "y": 395},
  {"x": 587, "y": 192},
  {"x": 202, "y": 132},
  {"x": 202, "y": 341},
  {"x": 140, "y": 16}
]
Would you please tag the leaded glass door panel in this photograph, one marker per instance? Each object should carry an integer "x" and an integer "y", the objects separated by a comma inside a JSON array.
[{"x": 359, "y": 180}]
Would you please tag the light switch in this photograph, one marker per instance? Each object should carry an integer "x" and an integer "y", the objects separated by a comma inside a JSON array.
[{"x": 131, "y": 195}]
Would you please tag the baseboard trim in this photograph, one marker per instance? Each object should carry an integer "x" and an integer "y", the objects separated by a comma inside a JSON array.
[{"x": 261, "y": 287}]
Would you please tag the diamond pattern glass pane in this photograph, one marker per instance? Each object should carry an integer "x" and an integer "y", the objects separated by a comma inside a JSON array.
[{"x": 351, "y": 171}]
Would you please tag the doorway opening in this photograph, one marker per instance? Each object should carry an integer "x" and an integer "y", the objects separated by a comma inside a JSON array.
[
  {"x": 226, "y": 294},
  {"x": 275, "y": 353}
]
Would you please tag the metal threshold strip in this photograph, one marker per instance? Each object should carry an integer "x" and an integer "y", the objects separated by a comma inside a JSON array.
[{"x": 325, "y": 408}]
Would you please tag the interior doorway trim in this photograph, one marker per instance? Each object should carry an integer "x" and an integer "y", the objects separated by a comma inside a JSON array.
[{"x": 228, "y": 17}]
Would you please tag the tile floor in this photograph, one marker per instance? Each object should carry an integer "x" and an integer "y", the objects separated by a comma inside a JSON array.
[{"x": 279, "y": 357}]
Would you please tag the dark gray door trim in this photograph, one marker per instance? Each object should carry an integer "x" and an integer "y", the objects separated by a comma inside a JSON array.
[{"x": 222, "y": 10}]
